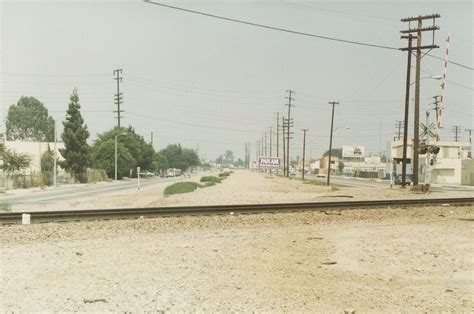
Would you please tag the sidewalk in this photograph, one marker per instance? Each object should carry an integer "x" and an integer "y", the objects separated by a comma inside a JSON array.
[{"x": 62, "y": 186}]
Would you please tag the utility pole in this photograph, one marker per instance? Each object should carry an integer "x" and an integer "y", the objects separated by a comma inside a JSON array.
[
  {"x": 151, "y": 138},
  {"x": 407, "y": 107},
  {"x": 470, "y": 139},
  {"x": 290, "y": 92},
  {"x": 456, "y": 131},
  {"x": 418, "y": 30},
  {"x": 270, "y": 150},
  {"x": 333, "y": 103},
  {"x": 284, "y": 140},
  {"x": 380, "y": 139},
  {"x": 398, "y": 125},
  {"x": 266, "y": 150},
  {"x": 278, "y": 138},
  {"x": 304, "y": 151},
  {"x": 118, "y": 95},
  {"x": 55, "y": 167}
]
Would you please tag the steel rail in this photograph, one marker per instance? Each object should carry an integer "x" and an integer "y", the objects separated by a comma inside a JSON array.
[{"x": 123, "y": 213}]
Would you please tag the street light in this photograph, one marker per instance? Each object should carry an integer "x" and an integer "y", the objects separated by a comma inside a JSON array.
[
  {"x": 116, "y": 136},
  {"x": 436, "y": 77}
]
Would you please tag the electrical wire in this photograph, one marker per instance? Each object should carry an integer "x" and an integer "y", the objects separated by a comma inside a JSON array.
[
  {"x": 271, "y": 27},
  {"x": 452, "y": 62}
]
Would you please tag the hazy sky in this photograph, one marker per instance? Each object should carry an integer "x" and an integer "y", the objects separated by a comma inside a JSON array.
[{"x": 195, "y": 80}]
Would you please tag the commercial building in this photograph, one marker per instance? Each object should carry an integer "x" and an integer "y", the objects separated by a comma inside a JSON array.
[{"x": 452, "y": 164}]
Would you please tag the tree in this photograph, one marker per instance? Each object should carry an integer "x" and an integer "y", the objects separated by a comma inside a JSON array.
[
  {"x": 335, "y": 152},
  {"x": 13, "y": 162},
  {"x": 29, "y": 120},
  {"x": 340, "y": 165},
  {"x": 47, "y": 166},
  {"x": 75, "y": 140},
  {"x": 160, "y": 163},
  {"x": 181, "y": 158},
  {"x": 239, "y": 163},
  {"x": 229, "y": 156},
  {"x": 103, "y": 156},
  {"x": 141, "y": 153}
]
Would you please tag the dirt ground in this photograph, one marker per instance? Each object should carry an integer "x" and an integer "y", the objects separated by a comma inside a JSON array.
[
  {"x": 242, "y": 187},
  {"x": 378, "y": 260}
]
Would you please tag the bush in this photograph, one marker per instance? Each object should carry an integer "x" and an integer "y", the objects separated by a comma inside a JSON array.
[
  {"x": 47, "y": 178},
  {"x": 314, "y": 182},
  {"x": 181, "y": 187},
  {"x": 96, "y": 175},
  {"x": 211, "y": 179},
  {"x": 224, "y": 174}
]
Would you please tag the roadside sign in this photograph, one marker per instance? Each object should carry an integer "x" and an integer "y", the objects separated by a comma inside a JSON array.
[{"x": 269, "y": 162}]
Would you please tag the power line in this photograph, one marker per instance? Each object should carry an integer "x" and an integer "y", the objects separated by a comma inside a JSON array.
[
  {"x": 452, "y": 62},
  {"x": 271, "y": 27}
]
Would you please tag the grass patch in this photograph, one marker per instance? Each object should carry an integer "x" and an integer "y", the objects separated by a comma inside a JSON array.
[
  {"x": 314, "y": 182},
  {"x": 181, "y": 187},
  {"x": 224, "y": 174},
  {"x": 211, "y": 179},
  {"x": 4, "y": 207}
]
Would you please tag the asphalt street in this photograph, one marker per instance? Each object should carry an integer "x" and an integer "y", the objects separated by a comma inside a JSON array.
[{"x": 79, "y": 191}]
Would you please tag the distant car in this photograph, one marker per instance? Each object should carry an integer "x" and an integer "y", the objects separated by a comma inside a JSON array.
[
  {"x": 398, "y": 180},
  {"x": 321, "y": 175},
  {"x": 293, "y": 173}
]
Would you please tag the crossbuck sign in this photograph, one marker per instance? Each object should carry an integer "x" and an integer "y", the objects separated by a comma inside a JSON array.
[{"x": 269, "y": 162}]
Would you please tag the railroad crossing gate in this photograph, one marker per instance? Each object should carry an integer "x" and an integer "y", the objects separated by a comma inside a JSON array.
[{"x": 269, "y": 162}]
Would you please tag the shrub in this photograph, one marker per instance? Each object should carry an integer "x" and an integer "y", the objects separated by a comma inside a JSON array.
[
  {"x": 211, "y": 179},
  {"x": 96, "y": 175},
  {"x": 181, "y": 187},
  {"x": 314, "y": 182},
  {"x": 224, "y": 174}
]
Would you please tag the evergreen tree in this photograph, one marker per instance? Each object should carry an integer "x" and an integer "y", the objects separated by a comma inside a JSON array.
[{"x": 75, "y": 136}]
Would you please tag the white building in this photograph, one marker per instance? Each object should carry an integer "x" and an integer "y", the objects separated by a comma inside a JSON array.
[{"x": 35, "y": 150}]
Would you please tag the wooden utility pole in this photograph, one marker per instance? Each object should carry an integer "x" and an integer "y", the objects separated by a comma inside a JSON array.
[
  {"x": 419, "y": 47},
  {"x": 278, "y": 138},
  {"x": 407, "y": 105},
  {"x": 304, "y": 151},
  {"x": 118, "y": 96},
  {"x": 456, "y": 131},
  {"x": 290, "y": 92},
  {"x": 284, "y": 150},
  {"x": 398, "y": 125},
  {"x": 333, "y": 103}
]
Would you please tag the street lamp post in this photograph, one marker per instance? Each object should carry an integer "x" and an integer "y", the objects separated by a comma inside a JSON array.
[{"x": 116, "y": 136}]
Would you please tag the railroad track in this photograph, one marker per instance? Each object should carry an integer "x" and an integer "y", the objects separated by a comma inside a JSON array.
[{"x": 127, "y": 213}]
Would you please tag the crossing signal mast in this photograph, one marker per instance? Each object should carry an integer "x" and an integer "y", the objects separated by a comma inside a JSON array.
[{"x": 439, "y": 111}]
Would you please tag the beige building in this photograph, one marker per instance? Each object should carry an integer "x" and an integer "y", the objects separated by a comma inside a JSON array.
[
  {"x": 35, "y": 150},
  {"x": 452, "y": 165}
]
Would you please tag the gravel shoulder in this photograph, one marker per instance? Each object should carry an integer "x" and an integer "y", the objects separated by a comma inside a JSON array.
[
  {"x": 245, "y": 187},
  {"x": 390, "y": 260}
]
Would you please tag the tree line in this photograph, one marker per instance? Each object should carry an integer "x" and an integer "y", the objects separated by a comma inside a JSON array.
[{"x": 29, "y": 120}]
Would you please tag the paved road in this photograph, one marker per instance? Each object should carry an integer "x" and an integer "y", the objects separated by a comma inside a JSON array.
[
  {"x": 78, "y": 191},
  {"x": 368, "y": 183}
]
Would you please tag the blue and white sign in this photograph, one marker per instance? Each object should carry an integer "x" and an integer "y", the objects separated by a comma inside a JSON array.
[{"x": 269, "y": 162}]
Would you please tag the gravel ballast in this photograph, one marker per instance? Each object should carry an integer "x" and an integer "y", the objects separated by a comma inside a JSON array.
[{"x": 367, "y": 260}]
